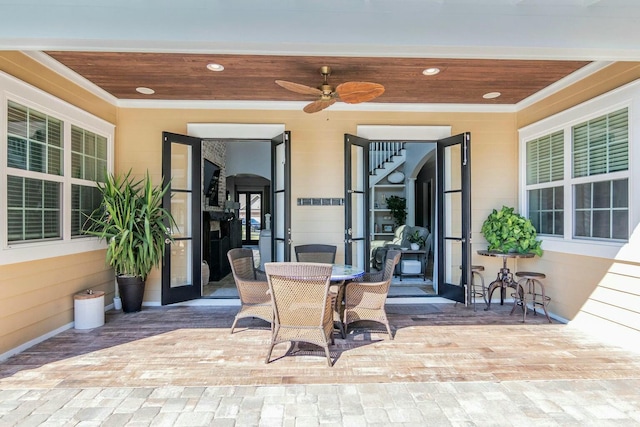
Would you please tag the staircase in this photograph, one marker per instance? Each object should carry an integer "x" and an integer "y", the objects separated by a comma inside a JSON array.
[{"x": 384, "y": 158}]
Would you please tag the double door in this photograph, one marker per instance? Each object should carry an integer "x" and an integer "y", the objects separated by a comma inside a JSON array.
[
  {"x": 182, "y": 163},
  {"x": 453, "y": 211}
]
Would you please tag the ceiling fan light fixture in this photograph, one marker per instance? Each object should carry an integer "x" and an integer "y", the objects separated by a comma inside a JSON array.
[
  {"x": 349, "y": 92},
  {"x": 215, "y": 67},
  {"x": 432, "y": 71},
  {"x": 145, "y": 90},
  {"x": 491, "y": 95}
]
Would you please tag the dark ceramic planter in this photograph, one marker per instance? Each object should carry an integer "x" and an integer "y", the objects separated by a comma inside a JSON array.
[{"x": 131, "y": 292}]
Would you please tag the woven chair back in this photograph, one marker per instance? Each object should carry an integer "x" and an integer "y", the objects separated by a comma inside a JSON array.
[{"x": 316, "y": 253}]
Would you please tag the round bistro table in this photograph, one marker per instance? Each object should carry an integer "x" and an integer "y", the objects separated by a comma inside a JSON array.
[{"x": 505, "y": 277}]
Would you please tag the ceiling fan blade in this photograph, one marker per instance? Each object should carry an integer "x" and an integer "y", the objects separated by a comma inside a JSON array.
[
  {"x": 356, "y": 92},
  {"x": 318, "y": 105},
  {"x": 298, "y": 88}
]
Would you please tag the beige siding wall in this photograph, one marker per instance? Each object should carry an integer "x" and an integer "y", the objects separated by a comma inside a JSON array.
[
  {"x": 599, "y": 295},
  {"x": 317, "y": 159},
  {"x": 37, "y": 297}
]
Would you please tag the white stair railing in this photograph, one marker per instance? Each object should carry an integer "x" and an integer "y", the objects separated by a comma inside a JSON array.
[{"x": 381, "y": 152}]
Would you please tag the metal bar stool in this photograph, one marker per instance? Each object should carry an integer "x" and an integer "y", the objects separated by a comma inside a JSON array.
[
  {"x": 530, "y": 290},
  {"x": 477, "y": 290}
]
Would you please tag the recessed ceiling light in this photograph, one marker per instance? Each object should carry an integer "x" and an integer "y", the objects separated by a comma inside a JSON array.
[
  {"x": 215, "y": 67},
  {"x": 145, "y": 90},
  {"x": 431, "y": 71},
  {"x": 491, "y": 95}
]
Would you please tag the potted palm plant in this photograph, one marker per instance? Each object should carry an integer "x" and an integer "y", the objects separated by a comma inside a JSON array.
[{"x": 134, "y": 224}]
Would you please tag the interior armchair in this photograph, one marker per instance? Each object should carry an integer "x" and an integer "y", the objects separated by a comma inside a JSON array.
[{"x": 400, "y": 240}]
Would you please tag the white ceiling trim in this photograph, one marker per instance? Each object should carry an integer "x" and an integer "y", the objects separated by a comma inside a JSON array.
[
  {"x": 561, "y": 84},
  {"x": 297, "y": 106},
  {"x": 341, "y": 50},
  {"x": 71, "y": 75}
]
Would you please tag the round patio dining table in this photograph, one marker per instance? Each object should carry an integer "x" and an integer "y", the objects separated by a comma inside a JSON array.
[{"x": 341, "y": 272}]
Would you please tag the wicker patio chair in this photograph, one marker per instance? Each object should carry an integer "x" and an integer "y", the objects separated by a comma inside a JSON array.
[
  {"x": 316, "y": 253},
  {"x": 252, "y": 287},
  {"x": 364, "y": 300},
  {"x": 301, "y": 304}
]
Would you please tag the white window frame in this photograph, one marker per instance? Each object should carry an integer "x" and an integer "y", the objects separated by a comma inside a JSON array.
[
  {"x": 625, "y": 96},
  {"x": 22, "y": 93}
]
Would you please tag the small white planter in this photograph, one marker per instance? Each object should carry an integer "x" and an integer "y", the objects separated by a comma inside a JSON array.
[{"x": 415, "y": 246}]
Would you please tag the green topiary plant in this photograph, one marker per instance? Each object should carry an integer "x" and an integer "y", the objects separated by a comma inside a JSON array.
[
  {"x": 507, "y": 231},
  {"x": 398, "y": 207}
]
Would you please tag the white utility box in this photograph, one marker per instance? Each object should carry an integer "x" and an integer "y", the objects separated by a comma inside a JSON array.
[
  {"x": 88, "y": 309},
  {"x": 411, "y": 267}
]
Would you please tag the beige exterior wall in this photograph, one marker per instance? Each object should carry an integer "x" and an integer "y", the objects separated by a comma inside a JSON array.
[
  {"x": 599, "y": 295},
  {"x": 37, "y": 297},
  {"x": 317, "y": 166}
]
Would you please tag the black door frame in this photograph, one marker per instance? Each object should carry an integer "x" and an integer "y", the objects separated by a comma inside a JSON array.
[
  {"x": 170, "y": 295},
  {"x": 455, "y": 292}
]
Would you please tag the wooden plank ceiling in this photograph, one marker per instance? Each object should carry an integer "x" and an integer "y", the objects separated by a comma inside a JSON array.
[{"x": 180, "y": 76}]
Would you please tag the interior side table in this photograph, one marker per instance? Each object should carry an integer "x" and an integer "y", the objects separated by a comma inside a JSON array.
[{"x": 419, "y": 255}]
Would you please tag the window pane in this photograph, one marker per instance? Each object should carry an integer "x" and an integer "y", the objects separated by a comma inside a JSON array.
[
  {"x": 15, "y": 192},
  {"x": 33, "y": 209},
  {"x": 37, "y": 157},
  {"x": 583, "y": 224},
  {"x": 35, "y": 140},
  {"x": 54, "y": 132},
  {"x": 559, "y": 198},
  {"x": 583, "y": 196},
  {"x": 601, "y": 145},
  {"x": 559, "y": 223},
  {"x": 545, "y": 158},
  {"x": 54, "y": 165},
  {"x": 546, "y": 198},
  {"x": 546, "y": 223},
  {"x": 546, "y": 207},
  {"x": 84, "y": 200},
  {"x": 14, "y": 229},
  {"x": 601, "y": 224},
  {"x": 620, "y": 222},
  {"x": 602, "y": 194},
  {"x": 606, "y": 221},
  {"x": 17, "y": 153},
  {"x": 89, "y": 155},
  {"x": 17, "y": 120},
  {"x": 620, "y": 193}
]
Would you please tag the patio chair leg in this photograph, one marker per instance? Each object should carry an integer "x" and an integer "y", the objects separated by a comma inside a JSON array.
[
  {"x": 386, "y": 323},
  {"x": 267, "y": 360},
  {"x": 234, "y": 324},
  {"x": 329, "y": 361}
]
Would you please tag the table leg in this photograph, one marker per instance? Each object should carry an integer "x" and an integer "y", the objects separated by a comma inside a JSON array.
[{"x": 492, "y": 287}]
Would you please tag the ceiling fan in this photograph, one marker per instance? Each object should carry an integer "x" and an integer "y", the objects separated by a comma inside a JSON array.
[{"x": 349, "y": 92}]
